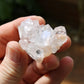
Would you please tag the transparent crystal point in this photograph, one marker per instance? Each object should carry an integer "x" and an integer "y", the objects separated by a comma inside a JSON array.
[{"x": 39, "y": 41}]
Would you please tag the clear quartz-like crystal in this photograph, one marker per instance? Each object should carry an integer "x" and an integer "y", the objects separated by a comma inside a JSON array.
[{"x": 39, "y": 41}]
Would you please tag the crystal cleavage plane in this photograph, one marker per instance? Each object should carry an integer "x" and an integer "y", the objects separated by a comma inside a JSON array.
[{"x": 39, "y": 41}]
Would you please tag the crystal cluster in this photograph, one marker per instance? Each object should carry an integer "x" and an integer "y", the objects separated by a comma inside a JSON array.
[{"x": 39, "y": 41}]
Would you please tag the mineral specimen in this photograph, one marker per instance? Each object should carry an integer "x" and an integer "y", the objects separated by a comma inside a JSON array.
[{"x": 39, "y": 41}]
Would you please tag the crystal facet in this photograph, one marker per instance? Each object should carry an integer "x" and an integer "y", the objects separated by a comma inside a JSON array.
[{"x": 39, "y": 41}]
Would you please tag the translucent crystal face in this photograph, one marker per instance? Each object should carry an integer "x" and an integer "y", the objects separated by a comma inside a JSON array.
[{"x": 39, "y": 41}]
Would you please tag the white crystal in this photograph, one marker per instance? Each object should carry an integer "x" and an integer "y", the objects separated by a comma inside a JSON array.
[{"x": 39, "y": 41}]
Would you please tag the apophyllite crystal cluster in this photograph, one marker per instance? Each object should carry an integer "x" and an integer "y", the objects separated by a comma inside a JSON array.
[{"x": 39, "y": 41}]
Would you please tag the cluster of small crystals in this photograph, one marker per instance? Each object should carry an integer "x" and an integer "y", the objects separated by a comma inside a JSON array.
[{"x": 39, "y": 41}]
